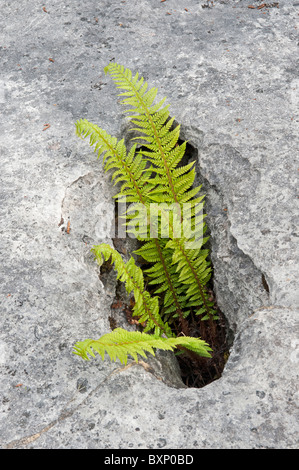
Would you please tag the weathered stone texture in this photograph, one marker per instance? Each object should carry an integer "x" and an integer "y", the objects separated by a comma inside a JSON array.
[{"x": 230, "y": 75}]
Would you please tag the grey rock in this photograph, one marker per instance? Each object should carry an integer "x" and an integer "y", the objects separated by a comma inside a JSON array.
[{"x": 230, "y": 75}]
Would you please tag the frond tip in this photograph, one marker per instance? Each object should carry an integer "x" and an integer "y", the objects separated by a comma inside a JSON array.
[
  {"x": 120, "y": 343},
  {"x": 146, "y": 307}
]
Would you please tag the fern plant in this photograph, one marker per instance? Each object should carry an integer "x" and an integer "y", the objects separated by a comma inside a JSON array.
[
  {"x": 121, "y": 343},
  {"x": 151, "y": 176}
]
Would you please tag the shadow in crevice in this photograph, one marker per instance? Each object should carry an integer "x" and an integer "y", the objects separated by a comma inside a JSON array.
[{"x": 202, "y": 371}]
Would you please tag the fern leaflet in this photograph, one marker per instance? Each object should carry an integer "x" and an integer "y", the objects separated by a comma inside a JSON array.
[{"x": 121, "y": 343}]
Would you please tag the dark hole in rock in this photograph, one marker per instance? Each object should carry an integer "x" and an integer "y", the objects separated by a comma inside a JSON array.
[
  {"x": 196, "y": 371},
  {"x": 105, "y": 268},
  {"x": 202, "y": 371}
]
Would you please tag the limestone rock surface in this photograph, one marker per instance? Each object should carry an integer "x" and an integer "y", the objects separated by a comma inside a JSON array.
[{"x": 231, "y": 76}]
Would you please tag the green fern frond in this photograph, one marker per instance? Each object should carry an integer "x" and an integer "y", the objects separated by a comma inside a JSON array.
[
  {"x": 129, "y": 169},
  {"x": 146, "y": 307},
  {"x": 163, "y": 273},
  {"x": 179, "y": 270},
  {"x": 120, "y": 343},
  {"x": 189, "y": 260},
  {"x": 172, "y": 184},
  {"x": 151, "y": 121},
  {"x": 195, "y": 272}
]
